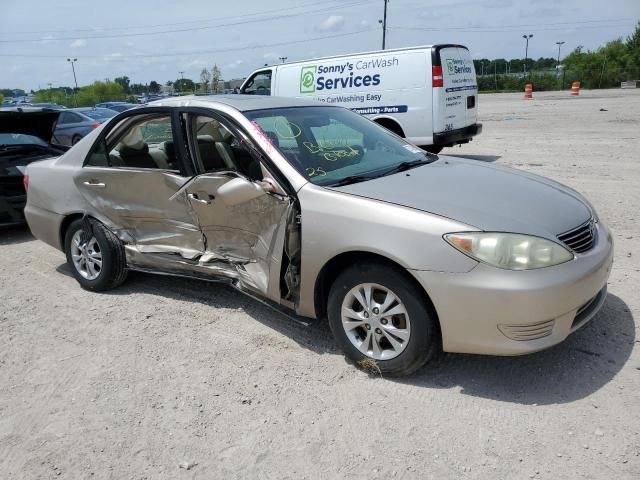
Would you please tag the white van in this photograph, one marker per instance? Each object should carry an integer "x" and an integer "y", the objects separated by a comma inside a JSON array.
[{"x": 426, "y": 94}]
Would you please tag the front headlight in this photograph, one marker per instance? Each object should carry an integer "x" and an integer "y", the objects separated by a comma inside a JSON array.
[{"x": 510, "y": 251}]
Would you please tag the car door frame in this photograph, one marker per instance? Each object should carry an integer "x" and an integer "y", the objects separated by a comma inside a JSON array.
[
  {"x": 273, "y": 290},
  {"x": 154, "y": 259}
]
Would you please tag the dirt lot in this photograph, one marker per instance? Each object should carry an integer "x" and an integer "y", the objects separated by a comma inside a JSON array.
[{"x": 170, "y": 378}]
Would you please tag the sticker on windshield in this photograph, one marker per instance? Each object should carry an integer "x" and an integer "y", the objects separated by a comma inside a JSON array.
[{"x": 413, "y": 148}]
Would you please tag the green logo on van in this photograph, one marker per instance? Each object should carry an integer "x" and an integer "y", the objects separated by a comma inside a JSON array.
[
  {"x": 308, "y": 79},
  {"x": 450, "y": 68}
]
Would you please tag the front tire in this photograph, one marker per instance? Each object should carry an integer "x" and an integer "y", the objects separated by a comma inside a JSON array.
[
  {"x": 379, "y": 315},
  {"x": 95, "y": 255}
]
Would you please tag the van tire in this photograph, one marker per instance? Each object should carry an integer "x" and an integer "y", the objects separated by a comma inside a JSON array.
[{"x": 432, "y": 148}]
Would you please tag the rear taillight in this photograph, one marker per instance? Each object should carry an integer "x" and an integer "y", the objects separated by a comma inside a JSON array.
[
  {"x": 95, "y": 125},
  {"x": 25, "y": 182},
  {"x": 437, "y": 80}
]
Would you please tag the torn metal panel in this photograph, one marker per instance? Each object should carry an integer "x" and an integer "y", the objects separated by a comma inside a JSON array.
[
  {"x": 144, "y": 208},
  {"x": 243, "y": 234}
]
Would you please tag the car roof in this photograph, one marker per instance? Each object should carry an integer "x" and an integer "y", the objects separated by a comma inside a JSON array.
[
  {"x": 243, "y": 103},
  {"x": 87, "y": 109}
]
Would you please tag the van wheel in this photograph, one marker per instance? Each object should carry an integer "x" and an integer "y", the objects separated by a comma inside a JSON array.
[
  {"x": 432, "y": 148},
  {"x": 379, "y": 317},
  {"x": 95, "y": 255}
]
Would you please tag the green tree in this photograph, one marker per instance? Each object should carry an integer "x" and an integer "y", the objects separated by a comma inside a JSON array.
[
  {"x": 154, "y": 87},
  {"x": 216, "y": 76},
  {"x": 184, "y": 85},
  {"x": 205, "y": 78},
  {"x": 124, "y": 82}
]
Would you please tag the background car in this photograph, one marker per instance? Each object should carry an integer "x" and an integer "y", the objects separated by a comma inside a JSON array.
[
  {"x": 108, "y": 104},
  {"x": 75, "y": 123},
  {"x": 53, "y": 106},
  {"x": 24, "y": 138},
  {"x": 121, "y": 107}
]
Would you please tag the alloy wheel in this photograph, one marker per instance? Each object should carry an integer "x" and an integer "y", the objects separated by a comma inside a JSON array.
[
  {"x": 86, "y": 255},
  {"x": 376, "y": 321}
]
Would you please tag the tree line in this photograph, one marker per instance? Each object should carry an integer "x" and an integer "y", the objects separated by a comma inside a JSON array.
[{"x": 605, "y": 67}]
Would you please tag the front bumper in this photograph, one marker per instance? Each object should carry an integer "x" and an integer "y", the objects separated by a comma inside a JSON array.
[
  {"x": 460, "y": 135},
  {"x": 497, "y": 312}
]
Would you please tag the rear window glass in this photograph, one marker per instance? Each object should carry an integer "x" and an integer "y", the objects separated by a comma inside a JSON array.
[{"x": 20, "y": 139}]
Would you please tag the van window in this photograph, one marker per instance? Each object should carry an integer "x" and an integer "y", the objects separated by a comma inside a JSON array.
[{"x": 258, "y": 84}]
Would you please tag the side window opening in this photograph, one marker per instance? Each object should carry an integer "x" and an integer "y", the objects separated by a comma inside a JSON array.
[
  {"x": 147, "y": 143},
  {"x": 258, "y": 84},
  {"x": 218, "y": 149}
]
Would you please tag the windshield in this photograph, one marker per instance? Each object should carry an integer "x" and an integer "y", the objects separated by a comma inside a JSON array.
[
  {"x": 329, "y": 145},
  {"x": 20, "y": 139},
  {"x": 100, "y": 113}
]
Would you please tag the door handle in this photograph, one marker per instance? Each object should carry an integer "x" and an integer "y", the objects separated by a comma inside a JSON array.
[
  {"x": 94, "y": 184},
  {"x": 195, "y": 198}
]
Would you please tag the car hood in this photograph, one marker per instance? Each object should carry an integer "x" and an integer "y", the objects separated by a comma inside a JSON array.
[
  {"x": 488, "y": 197},
  {"x": 39, "y": 123}
]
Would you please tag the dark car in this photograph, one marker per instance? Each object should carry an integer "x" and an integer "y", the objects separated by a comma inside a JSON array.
[
  {"x": 75, "y": 123},
  {"x": 24, "y": 138},
  {"x": 121, "y": 107},
  {"x": 52, "y": 106},
  {"x": 108, "y": 104}
]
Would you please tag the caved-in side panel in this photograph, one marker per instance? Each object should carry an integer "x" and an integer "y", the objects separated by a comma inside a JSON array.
[
  {"x": 245, "y": 234},
  {"x": 145, "y": 208}
]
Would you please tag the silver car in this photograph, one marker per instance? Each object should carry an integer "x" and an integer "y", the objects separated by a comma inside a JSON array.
[{"x": 322, "y": 211}]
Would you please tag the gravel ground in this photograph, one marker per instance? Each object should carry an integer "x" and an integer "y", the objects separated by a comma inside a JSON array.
[{"x": 171, "y": 378}]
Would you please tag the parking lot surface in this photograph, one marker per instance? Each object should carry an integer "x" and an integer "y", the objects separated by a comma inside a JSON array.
[{"x": 172, "y": 378}]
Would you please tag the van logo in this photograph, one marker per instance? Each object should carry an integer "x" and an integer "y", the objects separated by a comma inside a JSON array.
[
  {"x": 450, "y": 67},
  {"x": 308, "y": 79}
]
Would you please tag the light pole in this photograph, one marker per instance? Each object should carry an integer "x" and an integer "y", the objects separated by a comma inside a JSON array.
[
  {"x": 72, "y": 61},
  {"x": 559, "y": 45},
  {"x": 283, "y": 59},
  {"x": 383, "y": 22},
  {"x": 526, "y": 51}
]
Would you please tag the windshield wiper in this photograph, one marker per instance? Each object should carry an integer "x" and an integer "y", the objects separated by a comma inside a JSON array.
[
  {"x": 401, "y": 167},
  {"x": 351, "y": 179}
]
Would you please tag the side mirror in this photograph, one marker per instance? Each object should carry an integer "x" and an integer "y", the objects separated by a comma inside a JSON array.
[{"x": 239, "y": 190}]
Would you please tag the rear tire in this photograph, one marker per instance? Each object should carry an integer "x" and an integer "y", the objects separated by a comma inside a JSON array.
[
  {"x": 75, "y": 140},
  {"x": 395, "y": 344},
  {"x": 95, "y": 255}
]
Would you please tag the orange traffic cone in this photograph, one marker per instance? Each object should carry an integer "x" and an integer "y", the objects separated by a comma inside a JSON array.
[
  {"x": 528, "y": 91},
  {"x": 575, "y": 88}
]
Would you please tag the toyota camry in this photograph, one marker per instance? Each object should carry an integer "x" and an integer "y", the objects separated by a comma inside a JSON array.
[{"x": 323, "y": 212}]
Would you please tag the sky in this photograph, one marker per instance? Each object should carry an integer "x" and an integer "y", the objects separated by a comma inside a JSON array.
[{"x": 156, "y": 39}]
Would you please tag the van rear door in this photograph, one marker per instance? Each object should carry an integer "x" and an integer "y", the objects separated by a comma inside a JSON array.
[{"x": 455, "y": 90}]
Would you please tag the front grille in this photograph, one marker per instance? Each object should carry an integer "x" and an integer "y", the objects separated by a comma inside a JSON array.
[
  {"x": 580, "y": 239},
  {"x": 11, "y": 186},
  {"x": 527, "y": 331}
]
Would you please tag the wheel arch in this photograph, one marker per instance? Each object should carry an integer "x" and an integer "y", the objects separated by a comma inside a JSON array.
[
  {"x": 392, "y": 124},
  {"x": 330, "y": 271},
  {"x": 68, "y": 220}
]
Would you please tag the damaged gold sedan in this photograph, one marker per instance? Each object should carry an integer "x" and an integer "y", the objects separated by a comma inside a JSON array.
[{"x": 326, "y": 213}]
